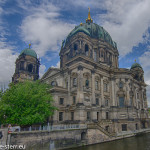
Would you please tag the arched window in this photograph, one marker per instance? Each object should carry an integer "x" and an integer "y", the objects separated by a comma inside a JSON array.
[
  {"x": 53, "y": 83},
  {"x": 86, "y": 50},
  {"x": 75, "y": 47},
  {"x": 30, "y": 67}
]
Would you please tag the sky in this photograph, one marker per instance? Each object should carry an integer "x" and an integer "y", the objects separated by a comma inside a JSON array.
[{"x": 45, "y": 23}]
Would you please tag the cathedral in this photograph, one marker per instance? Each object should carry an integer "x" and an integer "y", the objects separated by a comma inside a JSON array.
[{"x": 89, "y": 87}]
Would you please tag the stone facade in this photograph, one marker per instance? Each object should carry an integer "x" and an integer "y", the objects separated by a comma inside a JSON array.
[{"x": 90, "y": 87}]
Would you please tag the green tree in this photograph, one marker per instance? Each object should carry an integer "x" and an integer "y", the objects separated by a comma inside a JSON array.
[{"x": 26, "y": 103}]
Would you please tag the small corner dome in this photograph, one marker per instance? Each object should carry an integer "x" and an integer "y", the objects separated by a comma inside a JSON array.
[
  {"x": 136, "y": 65},
  {"x": 29, "y": 52}
]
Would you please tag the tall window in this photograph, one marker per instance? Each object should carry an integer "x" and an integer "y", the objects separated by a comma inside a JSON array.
[
  {"x": 86, "y": 50},
  {"x": 97, "y": 101},
  {"x": 72, "y": 116},
  {"x": 120, "y": 85},
  {"x": 30, "y": 67},
  {"x": 105, "y": 87},
  {"x": 97, "y": 115},
  {"x": 74, "y": 81},
  {"x": 61, "y": 101},
  {"x": 87, "y": 83},
  {"x": 74, "y": 100},
  {"x": 60, "y": 116},
  {"x": 96, "y": 85},
  {"x": 21, "y": 65},
  {"x": 121, "y": 101},
  {"x": 137, "y": 95},
  {"x": 75, "y": 47},
  {"x": 107, "y": 115},
  {"x": 106, "y": 102},
  {"x": 88, "y": 115}
]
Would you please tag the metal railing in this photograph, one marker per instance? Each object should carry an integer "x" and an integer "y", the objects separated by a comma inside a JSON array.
[{"x": 51, "y": 127}]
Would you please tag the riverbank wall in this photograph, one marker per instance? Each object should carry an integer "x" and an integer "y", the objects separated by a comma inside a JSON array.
[{"x": 76, "y": 137}]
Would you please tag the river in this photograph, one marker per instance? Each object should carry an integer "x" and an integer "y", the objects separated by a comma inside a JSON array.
[{"x": 140, "y": 142}]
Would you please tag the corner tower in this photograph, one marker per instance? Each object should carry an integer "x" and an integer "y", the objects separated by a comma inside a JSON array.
[{"x": 27, "y": 66}]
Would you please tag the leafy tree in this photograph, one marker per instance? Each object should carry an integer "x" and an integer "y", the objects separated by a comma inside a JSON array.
[{"x": 26, "y": 103}]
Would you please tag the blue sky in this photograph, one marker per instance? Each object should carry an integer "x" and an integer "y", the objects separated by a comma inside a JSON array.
[{"x": 45, "y": 23}]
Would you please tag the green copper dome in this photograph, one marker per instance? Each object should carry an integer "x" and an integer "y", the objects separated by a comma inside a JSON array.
[
  {"x": 136, "y": 65},
  {"x": 29, "y": 52},
  {"x": 94, "y": 31}
]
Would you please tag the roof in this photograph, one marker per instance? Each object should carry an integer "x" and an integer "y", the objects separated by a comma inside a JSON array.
[
  {"x": 29, "y": 52},
  {"x": 94, "y": 31},
  {"x": 136, "y": 65}
]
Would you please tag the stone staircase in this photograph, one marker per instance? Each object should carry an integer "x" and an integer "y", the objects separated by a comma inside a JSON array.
[{"x": 97, "y": 126}]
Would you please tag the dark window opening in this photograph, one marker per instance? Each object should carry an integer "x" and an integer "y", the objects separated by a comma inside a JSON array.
[
  {"x": 107, "y": 128},
  {"x": 97, "y": 115},
  {"x": 107, "y": 115},
  {"x": 75, "y": 47},
  {"x": 60, "y": 116},
  {"x": 88, "y": 115},
  {"x": 121, "y": 101},
  {"x": 86, "y": 50},
  {"x": 121, "y": 85},
  {"x": 124, "y": 127},
  {"x": 21, "y": 65},
  {"x": 30, "y": 67},
  {"x": 83, "y": 136},
  {"x": 53, "y": 83},
  {"x": 97, "y": 101},
  {"x": 87, "y": 83},
  {"x": 61, "y": 101},
  {"x": 106, "y": 102},
  {"x": 74, "y": 81},
  {"x": 72, "y": 116},
  {"x": 74, "y": 99},
  {"x": 136, "y": 126}
]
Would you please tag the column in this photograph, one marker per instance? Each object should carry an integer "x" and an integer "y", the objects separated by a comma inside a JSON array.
[
  {"x": 102, "y": 92},
  {"x": 69, "y": 87},
  {"x": 93, "y": 87},
  {"x": 80, "y": 96},
  {"x": 113, "y": 92}
]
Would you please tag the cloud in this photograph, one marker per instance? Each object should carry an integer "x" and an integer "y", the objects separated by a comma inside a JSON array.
[
  {"x": 42, "y": 70},
  {"x": 44, "y": 29},
  {"x": 57, "y": 65},
  {"x": 7, "y": 64},
  {"x": 144, "y": 61},
  {"x": 126, "y": 21}
]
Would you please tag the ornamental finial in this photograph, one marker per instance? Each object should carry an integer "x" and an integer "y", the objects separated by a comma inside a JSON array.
[
  {"x": 89, "y": 16},
  {"x": 135, "y": 60},
  {"x": 29, "y": 45},
  {"x": 89, "y": 19}
]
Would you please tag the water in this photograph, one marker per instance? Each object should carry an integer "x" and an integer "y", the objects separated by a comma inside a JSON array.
[{"x": 141, "y": 142}]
